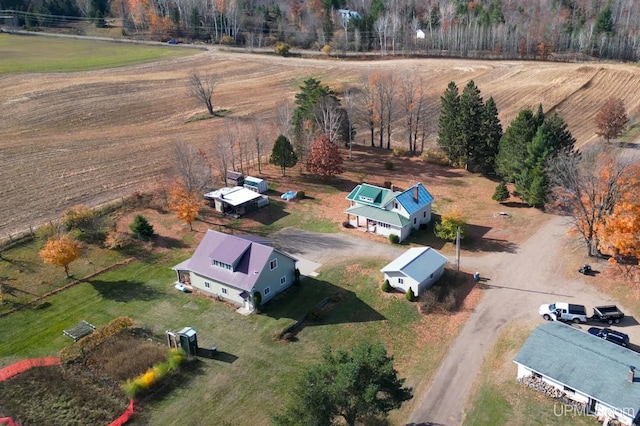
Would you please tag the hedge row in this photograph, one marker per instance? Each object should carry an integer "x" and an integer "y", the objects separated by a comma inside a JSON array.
[{"x": 144, "y": 382}]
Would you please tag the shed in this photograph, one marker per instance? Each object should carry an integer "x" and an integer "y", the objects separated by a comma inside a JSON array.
[
  {"x": 234, "y": 178},
  {"x": 418, "y": 268},
  {"x": 255, "y": 184},
  {"x": 236, "y": 201}
]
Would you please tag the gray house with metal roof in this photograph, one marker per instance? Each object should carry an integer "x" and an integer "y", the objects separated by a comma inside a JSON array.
[
  {"x": 587, "y": 369},
  {"x": 235, "y": 267},
  {"x": 385, "y": 212}
]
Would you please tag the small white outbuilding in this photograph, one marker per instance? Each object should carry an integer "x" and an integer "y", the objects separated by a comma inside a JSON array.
[{"x": 418, "y": 268}]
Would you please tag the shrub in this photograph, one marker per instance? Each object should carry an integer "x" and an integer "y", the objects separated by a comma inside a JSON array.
[
  {"x": 117, "y": 240},
  {"x": 296, "y": 275},
  {"x": 428, "y": 302},
  {"x": 326, "y": 49},
  {"x": 447, "y": 228},
  {"x": 315, "y": 315},
  {"x": 227, "y": 40},
  {"x": 388, "y": 165},
  {"x": 450, "y": 302},
  {"x": 257, "y": 300},
  {"x": 400, "y": 152},
  {"x": 435, "y": 157},
  {"x": 282, "y": 49},
  {"x": 409, "y": 295},
  {"x": 386, "y": 287},
  {"x": 300, "y": 195},
  {"x": 394, "y": 239},
  {"x": 143, "y": 383},
  {"x": 501, "y": 193},
  {"x": 388, "y": 184},
  {"x": 346, "y": 224}
]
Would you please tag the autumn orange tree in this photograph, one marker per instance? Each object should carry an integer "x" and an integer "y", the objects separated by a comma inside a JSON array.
[
  {"x": 184, "y": 202},
  {"x": 61, "y": 251},
  {"x": 611, "y": 119},
  {"x": 589, "y": 187},
  {"x": 325, "y": 159},
  {"x": 619, "y": 233}
]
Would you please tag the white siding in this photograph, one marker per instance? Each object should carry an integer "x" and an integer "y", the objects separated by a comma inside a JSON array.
[{"x": 271, "y": 278}]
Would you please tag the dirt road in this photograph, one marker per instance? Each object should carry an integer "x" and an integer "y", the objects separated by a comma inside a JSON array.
[{"x": 516, "y": 284}]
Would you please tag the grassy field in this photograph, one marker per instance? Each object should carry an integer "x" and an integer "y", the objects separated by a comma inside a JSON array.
[
  {"x": 49, "y": 54},
  {"x": 254, "y": 368},
  {"x": 500, "y": 400}
]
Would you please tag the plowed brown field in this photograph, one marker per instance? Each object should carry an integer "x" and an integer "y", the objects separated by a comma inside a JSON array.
[{"x": 92, "y": 137}]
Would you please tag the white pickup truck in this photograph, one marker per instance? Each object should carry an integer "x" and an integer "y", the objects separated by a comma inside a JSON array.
[{"x": 560, "y": 311}]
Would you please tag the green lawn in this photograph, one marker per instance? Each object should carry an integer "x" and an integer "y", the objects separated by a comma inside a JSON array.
[
  {"x": 23, "y": 53},
  {"x": 500, "y": 400}
]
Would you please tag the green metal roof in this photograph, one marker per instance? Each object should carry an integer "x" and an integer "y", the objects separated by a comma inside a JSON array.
[
  {"x": 583, "y": 362},
  {"x": 372, "y": 195},
  {"x": 380, "y": 215}
]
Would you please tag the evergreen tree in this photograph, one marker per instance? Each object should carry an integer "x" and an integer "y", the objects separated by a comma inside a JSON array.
[
  {"x": 490, "y": 135},
  {"x": 502, "y": 193},
  {"x": 470, "y": 119},
  {"x": 539, "y": 117},
  {"x": 449, "y": 124},
  {"x": 557, "y": 133},
  {"x": 283, "y": 154},
  {"x": 531, "y": 182},
  {"x": 513, "y": 145},
  {"x": 604, "y": 22},
  {"x": 141, "y": 228}
]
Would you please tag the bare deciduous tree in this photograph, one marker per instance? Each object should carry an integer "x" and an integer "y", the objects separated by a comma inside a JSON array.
[
  {"x": 192, "y": 166},
  {"x": 329, "y": 117},
  {"x": 201, "y": 88}
]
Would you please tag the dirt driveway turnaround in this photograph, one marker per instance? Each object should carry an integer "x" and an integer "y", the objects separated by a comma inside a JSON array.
[{"x": 515, "y": 285}]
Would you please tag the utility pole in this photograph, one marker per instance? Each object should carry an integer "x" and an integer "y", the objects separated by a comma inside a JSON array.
[{"x": 458, "y": 250}]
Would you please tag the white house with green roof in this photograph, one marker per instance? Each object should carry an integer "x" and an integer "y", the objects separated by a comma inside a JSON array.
[
  {"x": 599, "y": 374},
  {"x": 384, "y": 211}
]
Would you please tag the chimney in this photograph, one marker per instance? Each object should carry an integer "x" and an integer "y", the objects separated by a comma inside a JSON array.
[
  {"x": 415, "y": 193},
  {"x": 393, "y": 188},
  {"x": 631, "y": 374}
]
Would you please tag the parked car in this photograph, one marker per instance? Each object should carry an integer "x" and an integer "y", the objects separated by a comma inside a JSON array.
[
  {"x": 183, "y": 288},
  {"x": 172, "y": 41},
  {"x": 610, "y": 335},
  {"x": 609, "y": 314},
  {"x": 560, "y": 311}
]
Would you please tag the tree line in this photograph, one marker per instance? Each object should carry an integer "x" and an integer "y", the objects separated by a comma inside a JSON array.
[{"x": 528, "y": 29}]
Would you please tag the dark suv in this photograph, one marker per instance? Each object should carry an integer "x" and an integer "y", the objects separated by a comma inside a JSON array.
[{"x": 610, "y": 335}]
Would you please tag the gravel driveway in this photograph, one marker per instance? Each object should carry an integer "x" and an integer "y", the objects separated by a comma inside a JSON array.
[{"x": 516, "y": 284}]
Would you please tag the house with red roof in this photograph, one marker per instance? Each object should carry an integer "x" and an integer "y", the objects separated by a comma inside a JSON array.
[{"x": 236, "y": 268}]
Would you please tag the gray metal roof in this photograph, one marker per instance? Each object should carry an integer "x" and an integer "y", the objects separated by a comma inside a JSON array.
[
  {"x": 417, "y": 263},
  {"x": 584, "y": 363}
]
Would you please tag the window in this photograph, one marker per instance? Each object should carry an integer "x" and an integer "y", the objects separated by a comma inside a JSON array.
[
  {"x": 273, "y": 264},
  {"x": 267, "y": 291},
  {"x": 224, "y": 290},
  {"x": 415, "y": 220},
  {"x": 207, "y": 285},
  {"x": 384, "y": 225},
  {"x": 283, "y": 280},
  {"x": 400, "y": 280},
  {"x": 424, "y": 214},
  {"x": 431, "y": 276},
  {"x": 395, "y": 205},
  {"x": 221, "y": 265}
]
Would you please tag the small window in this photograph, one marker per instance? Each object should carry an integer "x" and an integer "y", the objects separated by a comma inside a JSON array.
[
  {"x": 267, "y": 291},
  {"x": 224, "y": 290},
  {"x": 400, "y": 280},
  {"x": 424, "y": 214},
  {"x": 273, "y": 264},
  {"x": 395, "y": 205},
  {"x": 283, "y": 280},
  {"x": 207, "y": 285},
  {"x": 415, "y": 220},
  {"x": 431, "y": 276}
]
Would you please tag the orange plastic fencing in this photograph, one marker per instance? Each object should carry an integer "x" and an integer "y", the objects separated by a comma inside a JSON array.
[
  {"x": 124, "y": 417},
  {"x": 26, "y": 364}
]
